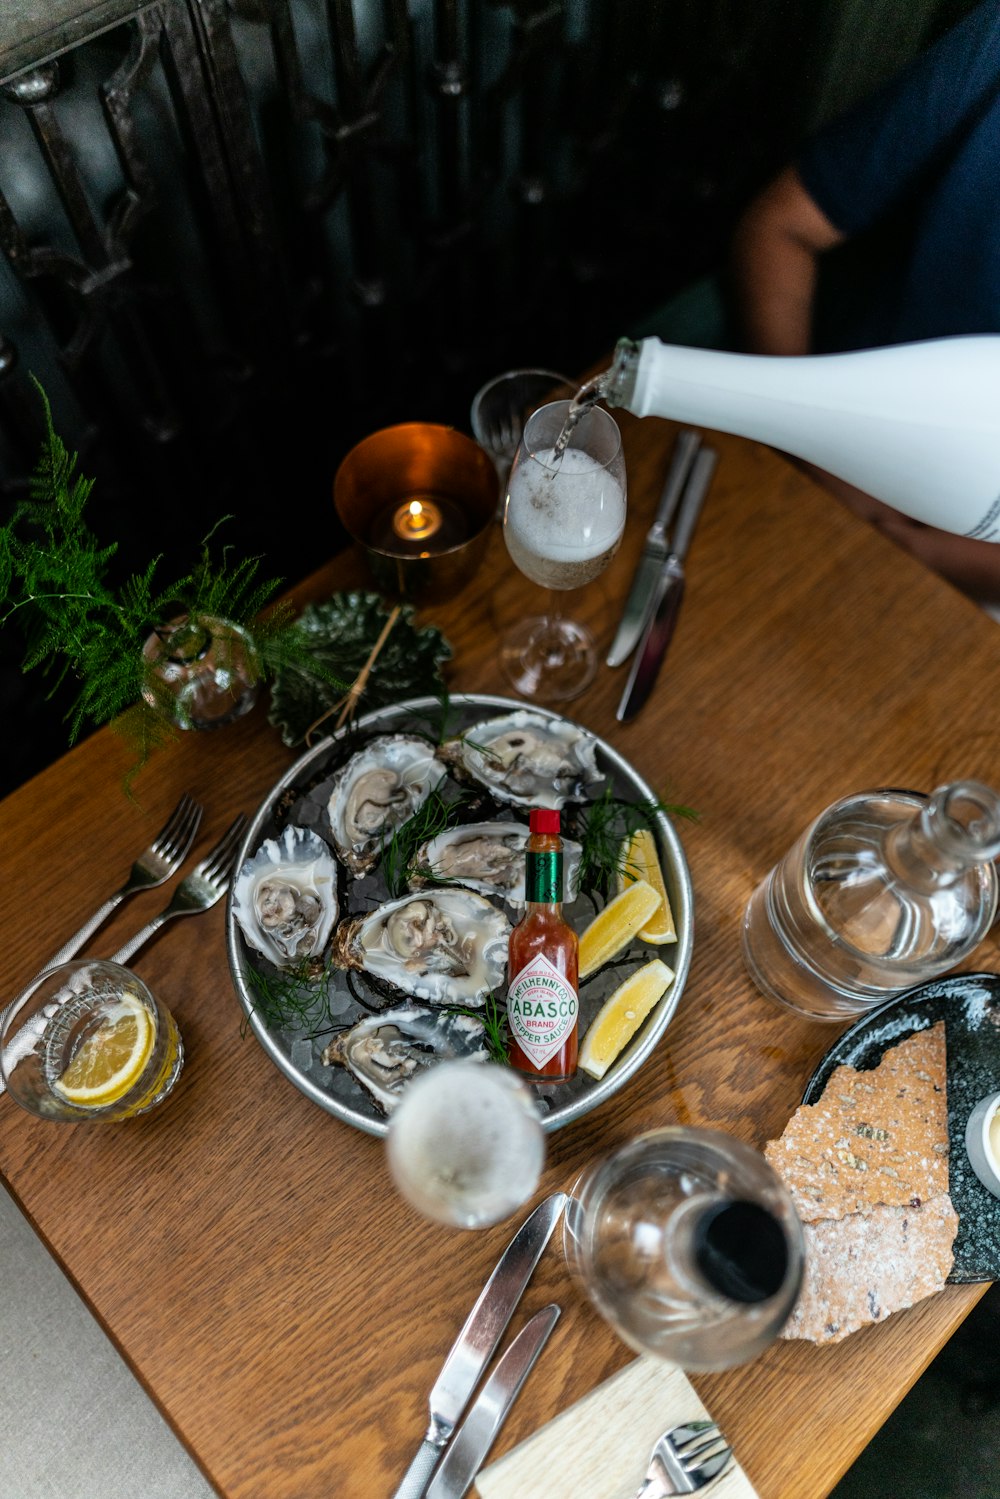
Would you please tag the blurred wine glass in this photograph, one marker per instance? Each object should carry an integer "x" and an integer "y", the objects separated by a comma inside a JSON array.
[
  {"x": 501, "y": 407},
  {"x": 563, "y": 521},
  {"x": 689, "y": 1245},
  {"x": 465, "y": 1144}
]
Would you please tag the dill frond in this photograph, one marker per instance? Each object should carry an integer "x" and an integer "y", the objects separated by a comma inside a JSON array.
[
  {"x": 605, "y": 826},
  {"x": 294, "y": 1000},
  {"x": 399, "y": 851},
  {"x": 494, "y": 1019}
]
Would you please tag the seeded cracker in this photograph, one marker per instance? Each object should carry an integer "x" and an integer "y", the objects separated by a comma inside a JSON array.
[
  {"x": 876, "y": 1137},
  {"x": 867, "y": 1167},
  {"x": 861, "y": 1268}
]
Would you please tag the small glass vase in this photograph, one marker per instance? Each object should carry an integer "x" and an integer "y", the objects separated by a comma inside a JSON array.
[{"x": 201, "y": 671}]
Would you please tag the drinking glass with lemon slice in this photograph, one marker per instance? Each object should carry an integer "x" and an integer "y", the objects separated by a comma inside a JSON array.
[{"x": 88, "y": 1041}]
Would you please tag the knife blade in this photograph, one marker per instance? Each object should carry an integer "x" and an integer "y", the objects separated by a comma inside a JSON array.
[
  {"x": 654, "y": 550},
  {"x": 471, "y": 1443},
  {"x": 668, "y": 591},
  {"x": 482, "y": 1331}
]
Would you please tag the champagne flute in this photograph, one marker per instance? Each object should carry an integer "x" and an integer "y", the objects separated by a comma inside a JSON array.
[
  {"x": 563, "y": 521},
  {"x": 465, "y": 1144}
]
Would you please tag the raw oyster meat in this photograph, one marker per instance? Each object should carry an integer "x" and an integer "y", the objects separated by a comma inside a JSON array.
[
  {"x": 285, "y": 897},
  {"x": 447, "y": 946},
  {"x": 385, "y": 1051},
  {"x": 486, "y": 856},
  {"x": 379, "y": 789},
  {"x": 526, "y": 759}
]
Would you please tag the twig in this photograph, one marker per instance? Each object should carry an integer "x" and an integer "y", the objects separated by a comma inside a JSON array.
[{"x": 348, "y": 703}]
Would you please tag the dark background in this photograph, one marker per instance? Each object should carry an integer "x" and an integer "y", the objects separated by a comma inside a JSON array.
[{"x": 240, "y": 236}]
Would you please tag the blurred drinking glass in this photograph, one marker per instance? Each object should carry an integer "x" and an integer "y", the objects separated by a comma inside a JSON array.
[
  {"x": 465, "y": 1144},
  {"x": 501, "y": 407},
  {"x": 689, "y": 1245},
  {"x": 564, "y": 518},
  {"x": 88, "y": 1041}
]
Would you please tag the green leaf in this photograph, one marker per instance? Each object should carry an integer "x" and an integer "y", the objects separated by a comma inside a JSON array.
[{"x": 338, "y": 637}]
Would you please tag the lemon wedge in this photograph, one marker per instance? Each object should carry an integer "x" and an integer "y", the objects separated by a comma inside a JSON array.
[
  {"x": 111, "y": 1059},
  {"x": 616, "y": 925},
  {"x": 621, "y": 1016},
  {"x": 640, "y": 862}
]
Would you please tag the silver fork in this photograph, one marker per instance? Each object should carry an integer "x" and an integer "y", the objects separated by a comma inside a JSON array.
[
  {"x": 161, "y": 859},
  {"x": 198, "y": 891},
  {"x": 685, "y": 1459}
]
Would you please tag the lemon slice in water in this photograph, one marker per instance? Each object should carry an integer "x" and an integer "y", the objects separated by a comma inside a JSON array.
[
  {"x": 616, "y": 925},
  {"x": 640, "y": 862},
  {"x": 111, "y": 1059},
  {"x": 621, "y": 1015}
]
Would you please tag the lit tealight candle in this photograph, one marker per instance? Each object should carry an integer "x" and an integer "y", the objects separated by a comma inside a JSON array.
[
  {"x": 417, "y": 520},
  {"x": 420, "y": 526}
]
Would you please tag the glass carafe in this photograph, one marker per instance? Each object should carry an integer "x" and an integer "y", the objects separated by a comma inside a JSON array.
[
  {"x": 885, "y": 890},
  {"x": 688, "y": 1244}
]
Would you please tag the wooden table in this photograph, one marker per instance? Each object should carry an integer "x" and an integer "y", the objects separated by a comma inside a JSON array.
[{"x": 245, "y": 1251}]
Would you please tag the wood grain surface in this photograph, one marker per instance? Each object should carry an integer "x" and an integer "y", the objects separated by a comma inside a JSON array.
[{"x": 245, "y": 1251}]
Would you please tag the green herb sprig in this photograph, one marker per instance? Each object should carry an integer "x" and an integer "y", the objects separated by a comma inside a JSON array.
[
  {"x": 494, "y": 1019},
  {"x": 294, "y": 999},
  {"x": 77, "y": 626},
  {"x": 605, "y": 826},
  {"x": 399, "y": 851}
]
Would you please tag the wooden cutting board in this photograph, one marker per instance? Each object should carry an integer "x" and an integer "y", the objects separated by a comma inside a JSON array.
[{"x": 600, "y": 1447}]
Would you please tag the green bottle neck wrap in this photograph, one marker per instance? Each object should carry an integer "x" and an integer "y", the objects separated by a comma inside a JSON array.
[{"x": 543, "y": 877}]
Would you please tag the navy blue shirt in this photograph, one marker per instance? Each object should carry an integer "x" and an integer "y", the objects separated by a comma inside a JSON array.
[{"x": 923, "y": 152}]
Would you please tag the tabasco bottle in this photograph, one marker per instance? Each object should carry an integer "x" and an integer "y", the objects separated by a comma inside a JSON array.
[{"x": 542, "y": 1003}]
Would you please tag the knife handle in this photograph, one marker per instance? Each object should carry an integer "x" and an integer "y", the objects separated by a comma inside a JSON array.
[
  {"x": 686, "y": 446},
  {"x": 418, "y": 1474},
  {"x": 649, "y": 656}
]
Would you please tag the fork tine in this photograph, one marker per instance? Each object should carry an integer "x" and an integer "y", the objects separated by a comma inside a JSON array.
[
  {"x": 219, "y": 862},
  {"x": 681, "y": 1436},
  {"x": 713, "y": 1466},
  {"x": 176, "y": 836},
  {"x": 696, "y": 1452}
]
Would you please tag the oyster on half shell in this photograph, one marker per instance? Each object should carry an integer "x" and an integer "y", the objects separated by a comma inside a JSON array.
[
  {"x": 488, "y": 857},
  {"x": 527, "y": 760},
  {"x": 447, "y": 946},
  {"x": 376, "y": 791},
  {"x": 285, "y": 897},
  {"x": 385, "y": 1051}
]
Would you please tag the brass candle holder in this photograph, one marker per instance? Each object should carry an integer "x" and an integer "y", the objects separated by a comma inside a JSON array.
[{"x": 419, "y": 499}]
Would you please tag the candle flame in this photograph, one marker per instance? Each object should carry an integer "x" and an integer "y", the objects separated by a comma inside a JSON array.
[{"x": 416, "y": 509}]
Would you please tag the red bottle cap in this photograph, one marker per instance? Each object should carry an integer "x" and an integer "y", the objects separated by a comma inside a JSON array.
[{"x": 542, "y": 820}]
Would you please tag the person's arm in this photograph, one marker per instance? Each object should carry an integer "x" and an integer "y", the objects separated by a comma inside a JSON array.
[{"x": 774, "y": 256}]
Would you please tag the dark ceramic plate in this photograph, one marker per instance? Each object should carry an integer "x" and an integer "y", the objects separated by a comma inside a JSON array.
[{"x": 969, "y": 1005}]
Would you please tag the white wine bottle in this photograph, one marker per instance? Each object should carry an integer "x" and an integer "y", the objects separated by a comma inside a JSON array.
[{"x": 916, "y": 425}]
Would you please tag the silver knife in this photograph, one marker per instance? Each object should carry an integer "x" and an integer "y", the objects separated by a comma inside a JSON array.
[
  {"x": 471, "y": 1443},
  {"x": 668, "y": 591},
  {"x": 654, "y": 550},
  {"x": 473, "y": 1348}
]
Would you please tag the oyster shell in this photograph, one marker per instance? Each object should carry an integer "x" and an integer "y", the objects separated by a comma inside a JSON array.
[
  {"x": 488, "y": 857},
  {"x": 379, "y": 789},
  {"x": 526, "y": 759},
  {"x": 447, "y": 946},
  {"x": 385, "y": 1051},
  {"x": 285, "y": 897}
]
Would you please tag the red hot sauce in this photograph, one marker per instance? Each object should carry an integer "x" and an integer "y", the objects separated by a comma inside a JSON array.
[{"x": 542, "y": 1001}]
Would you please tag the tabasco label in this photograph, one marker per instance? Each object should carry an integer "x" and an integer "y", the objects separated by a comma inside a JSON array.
[{"x": 541, "y": 1009}]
